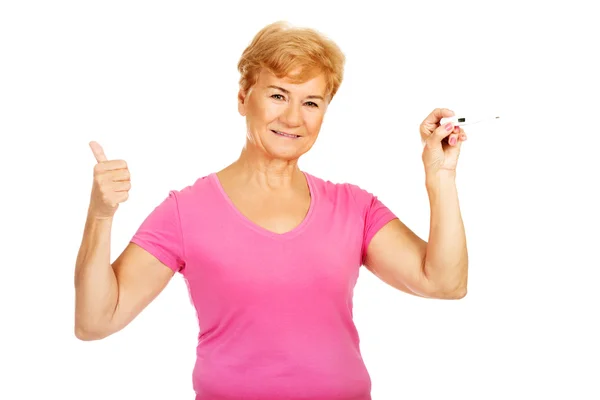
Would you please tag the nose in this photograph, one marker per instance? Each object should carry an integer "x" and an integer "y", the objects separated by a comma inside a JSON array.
[{"x": 292, "y": 116}]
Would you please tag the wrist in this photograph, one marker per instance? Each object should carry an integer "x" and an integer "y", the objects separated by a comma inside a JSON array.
[
  {"x": 440, "y": 178},
  {"x": 96, "y": 216}
]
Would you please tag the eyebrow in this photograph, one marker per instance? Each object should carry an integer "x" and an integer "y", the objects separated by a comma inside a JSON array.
[{"x": 288, "y": 92}]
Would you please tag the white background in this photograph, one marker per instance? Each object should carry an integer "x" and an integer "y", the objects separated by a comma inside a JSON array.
[{"x": 156, "y": 82}]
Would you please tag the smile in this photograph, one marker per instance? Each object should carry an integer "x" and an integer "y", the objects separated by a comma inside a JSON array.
[{"x": 287, "y": 135}]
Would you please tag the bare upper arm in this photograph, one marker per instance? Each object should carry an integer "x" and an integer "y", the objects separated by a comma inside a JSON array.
[
  {"x": 141, "y": 277},
  {"x": 396, "y": 255}
]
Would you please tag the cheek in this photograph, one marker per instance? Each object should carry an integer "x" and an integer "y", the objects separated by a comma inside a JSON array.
[
  {"x": 266, "y": 113},
  {"x": 257, "y": 116},
  {"x": 313, "y": 123},
  {"x": 272, "y": 113}
]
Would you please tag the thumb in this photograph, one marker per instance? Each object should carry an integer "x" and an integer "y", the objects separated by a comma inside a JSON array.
[
  {"x": 98, "y": 152},
  {"x": 431, "y": 122}
]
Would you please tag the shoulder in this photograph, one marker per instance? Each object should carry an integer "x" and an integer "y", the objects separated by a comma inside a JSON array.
[
  {"x": 341, "y": 191},
  {"x": 194, "y": 191}
]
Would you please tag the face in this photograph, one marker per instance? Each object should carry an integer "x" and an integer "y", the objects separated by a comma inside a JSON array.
[{"x": 283, "y": 119}]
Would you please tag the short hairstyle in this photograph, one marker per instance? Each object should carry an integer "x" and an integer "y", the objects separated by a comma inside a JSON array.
[{"x": 281, "y": 49}]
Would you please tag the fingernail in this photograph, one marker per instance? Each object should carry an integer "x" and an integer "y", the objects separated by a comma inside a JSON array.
[
  {"x": 449, "y": 126},
  {"x": 453, "y": 140}
]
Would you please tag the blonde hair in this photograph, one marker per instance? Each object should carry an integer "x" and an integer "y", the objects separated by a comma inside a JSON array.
[{"x": 282, "y": 49}]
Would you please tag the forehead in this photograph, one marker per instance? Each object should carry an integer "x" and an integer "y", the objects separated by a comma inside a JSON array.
[{"x": 314, "y": 86}]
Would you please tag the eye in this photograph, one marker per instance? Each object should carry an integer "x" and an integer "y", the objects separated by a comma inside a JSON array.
[
  {"x": 311, "y": 104},
  {"x": 278, "y": 97}
]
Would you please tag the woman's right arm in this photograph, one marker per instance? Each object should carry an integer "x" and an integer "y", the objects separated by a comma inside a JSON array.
[{"x": 108, "y": 297}]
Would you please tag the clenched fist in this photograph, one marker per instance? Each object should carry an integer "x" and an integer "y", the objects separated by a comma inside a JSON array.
[{"x": 111, "y": 184}]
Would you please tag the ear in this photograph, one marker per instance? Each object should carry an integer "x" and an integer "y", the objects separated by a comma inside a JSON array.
[{"x": 242, "y": 102}]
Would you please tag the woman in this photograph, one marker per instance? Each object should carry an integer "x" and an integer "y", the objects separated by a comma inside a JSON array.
[{"x": 270, "y": 253}]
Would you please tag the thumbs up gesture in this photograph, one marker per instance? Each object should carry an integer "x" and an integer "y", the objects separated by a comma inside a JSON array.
[{"x": 111, "y": 184}]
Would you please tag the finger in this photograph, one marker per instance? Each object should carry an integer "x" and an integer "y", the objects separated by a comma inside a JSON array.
[
  {"x": 98, "y": 152},
  {"x": 121, "y": 186},
  {"x": 122, "y": 197},
  {"x": 431, "y": 122},
  {"x": 453, "y": 139},
  {"x": 121, "y": 175},
  {"x": 112, "y": 165},
  {"x": 461, "y": 135},
  {"x": 441, "y": 132},
  {"x": 457, "y": 135}
]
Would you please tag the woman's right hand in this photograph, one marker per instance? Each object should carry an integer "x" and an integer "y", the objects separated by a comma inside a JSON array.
[{"x": 111, "y": 184}]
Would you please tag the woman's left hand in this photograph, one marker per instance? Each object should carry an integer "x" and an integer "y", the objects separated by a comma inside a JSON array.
[{"x": 442, "y": 143}]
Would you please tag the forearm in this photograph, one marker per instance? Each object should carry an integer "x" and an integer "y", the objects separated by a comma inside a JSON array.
[
  {"x": 96, "y": 289},
  {"x": 446, "y": 260}
]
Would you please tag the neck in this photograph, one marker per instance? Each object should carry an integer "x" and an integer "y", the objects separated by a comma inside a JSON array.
[{"x": 254, "y": 166}]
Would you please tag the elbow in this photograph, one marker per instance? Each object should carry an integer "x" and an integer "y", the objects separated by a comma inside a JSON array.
[
  {"x": 453, "y": 294},
  {"x": 448, "y": 292},
  {"x": 458, "y": 294},
  {"x": 88, "y": 333},
  {"x": 450, "y": 288},
  {"x": 444, "y": 293}
]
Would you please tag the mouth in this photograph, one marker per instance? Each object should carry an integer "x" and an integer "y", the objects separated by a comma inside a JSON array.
[{"x": 284, "y": 134}]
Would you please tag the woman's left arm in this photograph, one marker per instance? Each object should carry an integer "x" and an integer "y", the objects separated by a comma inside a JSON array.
[{"x": 437, "y": 268}]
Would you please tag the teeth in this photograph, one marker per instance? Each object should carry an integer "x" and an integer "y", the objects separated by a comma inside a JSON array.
[{"x": 286, "y": 134}]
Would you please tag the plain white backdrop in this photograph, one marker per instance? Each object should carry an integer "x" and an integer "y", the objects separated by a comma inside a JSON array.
[{"x": 155, "y": 83}]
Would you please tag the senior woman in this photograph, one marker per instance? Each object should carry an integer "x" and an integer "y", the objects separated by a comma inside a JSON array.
[{"x": 270, "y": 253}]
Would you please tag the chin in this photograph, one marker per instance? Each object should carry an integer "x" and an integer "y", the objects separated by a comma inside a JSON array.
[
  {"x": 285, "y": 149},
  {"x": 287, "y": 154}
]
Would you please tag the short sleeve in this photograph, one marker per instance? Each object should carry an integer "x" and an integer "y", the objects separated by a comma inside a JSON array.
[
  {"x": 374, "y": 213},
  {"x": 160, "y": 234}
]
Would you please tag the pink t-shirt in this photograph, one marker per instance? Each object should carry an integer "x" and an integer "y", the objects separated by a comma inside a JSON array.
[{"x": 274, "y": 310}]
